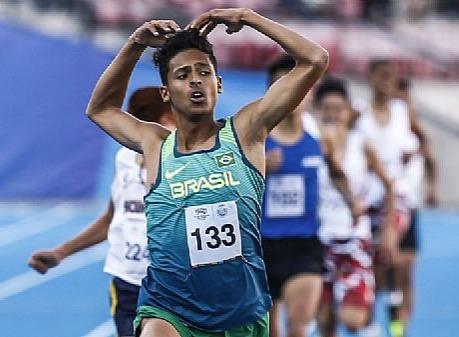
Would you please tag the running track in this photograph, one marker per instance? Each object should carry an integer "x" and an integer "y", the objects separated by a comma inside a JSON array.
[{"x": 72, "y": 300}]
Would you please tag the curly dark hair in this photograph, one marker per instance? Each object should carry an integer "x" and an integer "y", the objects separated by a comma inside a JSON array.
[{"x": 186, "y": 39}]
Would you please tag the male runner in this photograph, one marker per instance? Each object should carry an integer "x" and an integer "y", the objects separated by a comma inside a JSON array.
[
  {"x": 413, "y": 175},
  {"x": 386, "y": 125},
  {"x": 292, "y": 251},
  {"x": 123, "y": 223},
  {"x": 348, "y": 293},
  {"x": 203, "y": 211}
]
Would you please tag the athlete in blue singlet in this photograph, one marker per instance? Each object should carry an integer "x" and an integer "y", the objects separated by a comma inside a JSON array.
[
  {"x": 292, "y": 250},
  {"x": 206, "y": 277}
]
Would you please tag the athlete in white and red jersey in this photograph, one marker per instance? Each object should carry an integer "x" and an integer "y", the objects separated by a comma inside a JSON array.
[
  {"x": 123, "y": 224},
  {"x": 349, "y": 281}
]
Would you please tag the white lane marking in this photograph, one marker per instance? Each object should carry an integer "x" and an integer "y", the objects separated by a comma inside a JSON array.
[
  {"x": 17, "y": 213},
  {"x": 27, "y": 216},
  {"x": 58, "y": 215},
  {"x": 106, "y": 329},
  {"x": 30, "y": 279}
]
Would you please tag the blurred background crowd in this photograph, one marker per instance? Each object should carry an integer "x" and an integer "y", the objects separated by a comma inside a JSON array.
[{"x": 420, "y": 36}]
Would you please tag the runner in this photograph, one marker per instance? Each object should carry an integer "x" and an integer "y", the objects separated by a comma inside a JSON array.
[
  {"x": 206, "y": 274},
  {"x": 292, "y": 251},
  {"x": 413, "y": 175},
  {"x": 386, "y": 125},
  {"x": 123, "y": 223},
  {"x": 348, "y": 293}
]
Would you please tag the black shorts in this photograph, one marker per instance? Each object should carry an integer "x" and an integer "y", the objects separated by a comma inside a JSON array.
[
  {"x": 410, "y": 240},
  {"x": 288, "y": 257},
  {"x": 123, "y": 305}
]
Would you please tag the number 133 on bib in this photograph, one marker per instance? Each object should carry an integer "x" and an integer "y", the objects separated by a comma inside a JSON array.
[{"x": 213, "y": 233}]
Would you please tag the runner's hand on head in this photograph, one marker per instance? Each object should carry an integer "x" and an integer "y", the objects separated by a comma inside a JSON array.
[
  {"x": 232, "y": 18},
  {"x": 43, "y": 260},
  {"x": 274, "y": 160},
  {"x": 155, "y": 33}
]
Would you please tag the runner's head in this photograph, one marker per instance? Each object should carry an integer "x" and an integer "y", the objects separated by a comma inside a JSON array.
[
  {"x": 382, "y": 77},
  {"x": 147, "y": 105},
  {"x": 188, "y": 70},
  {"x": 332, "y": 104},
  {"x": 280, "y": 67}
]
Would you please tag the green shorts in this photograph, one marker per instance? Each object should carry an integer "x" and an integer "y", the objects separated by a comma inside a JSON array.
[{"x": 258, "y": 329}]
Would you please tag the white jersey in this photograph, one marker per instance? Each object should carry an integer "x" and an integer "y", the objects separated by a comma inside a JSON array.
[
  {"x": 127, "y": 256},
  {"x": 390, "y": 142},
  {"x": 413, "y": 178},
  {"x": 335, "y": 215}
]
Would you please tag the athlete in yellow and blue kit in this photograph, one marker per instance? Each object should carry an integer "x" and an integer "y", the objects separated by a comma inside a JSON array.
[{"x": 206, "y": 276}]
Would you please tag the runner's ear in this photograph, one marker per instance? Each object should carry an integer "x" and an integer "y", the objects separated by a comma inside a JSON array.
[
  {"x": 164, "y": 93},
  {"x": 219, "y": 84}
]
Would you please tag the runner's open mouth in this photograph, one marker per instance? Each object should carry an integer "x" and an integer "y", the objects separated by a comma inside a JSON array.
[{"x": 197, "y": 97}]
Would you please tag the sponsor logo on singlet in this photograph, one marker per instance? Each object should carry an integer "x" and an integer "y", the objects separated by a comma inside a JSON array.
[
  {"x": 211, "y": 182},
  {"x": 172, "y": 174}
]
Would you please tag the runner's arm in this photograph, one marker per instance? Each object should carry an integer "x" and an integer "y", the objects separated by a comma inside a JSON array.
[
  {"x": 389, "y": 236},
  {"x": 93, "y": 234},
  {"x": 375, "y": 166},
  {"x": 258, "y": 118},
  {"x": 339, "y": 178},
  {"x": 429, "y": 160},
  {"x": 104, "y": 107}
]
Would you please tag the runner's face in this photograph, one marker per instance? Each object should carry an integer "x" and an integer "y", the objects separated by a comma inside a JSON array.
[
  {"x": 383, "y": 79},
  {"x": 334, "y": 109},
  {"x": 192, "y": 85}
]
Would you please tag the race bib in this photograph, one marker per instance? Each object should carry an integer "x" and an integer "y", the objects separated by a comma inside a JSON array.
[
  {"x": 213, "y": 233},
  {"x": 285, "y": 196},
  {"x": 135, "y": 245}
]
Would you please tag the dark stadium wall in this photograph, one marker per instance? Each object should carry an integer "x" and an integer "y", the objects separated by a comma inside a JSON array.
[{"x": 48, "y": 148}]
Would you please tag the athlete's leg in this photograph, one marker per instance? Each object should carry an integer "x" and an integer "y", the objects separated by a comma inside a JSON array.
[
  {"x": 326, "y": 320},
  {"x": 402, "y": 298},
  {"x": 355, "y": 287},
  {"x": 405, "y": 272},
  {"x": 155, "y": 327},
  {"x": 402, "y": 309},
  {"x": 301, "y": 294},
  {"x": 353, "y": 318},
  {"x": 274, "y": 319}
]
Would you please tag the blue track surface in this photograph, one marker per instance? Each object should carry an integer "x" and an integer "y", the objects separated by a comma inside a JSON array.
[{"x": 76, "y": 302}]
